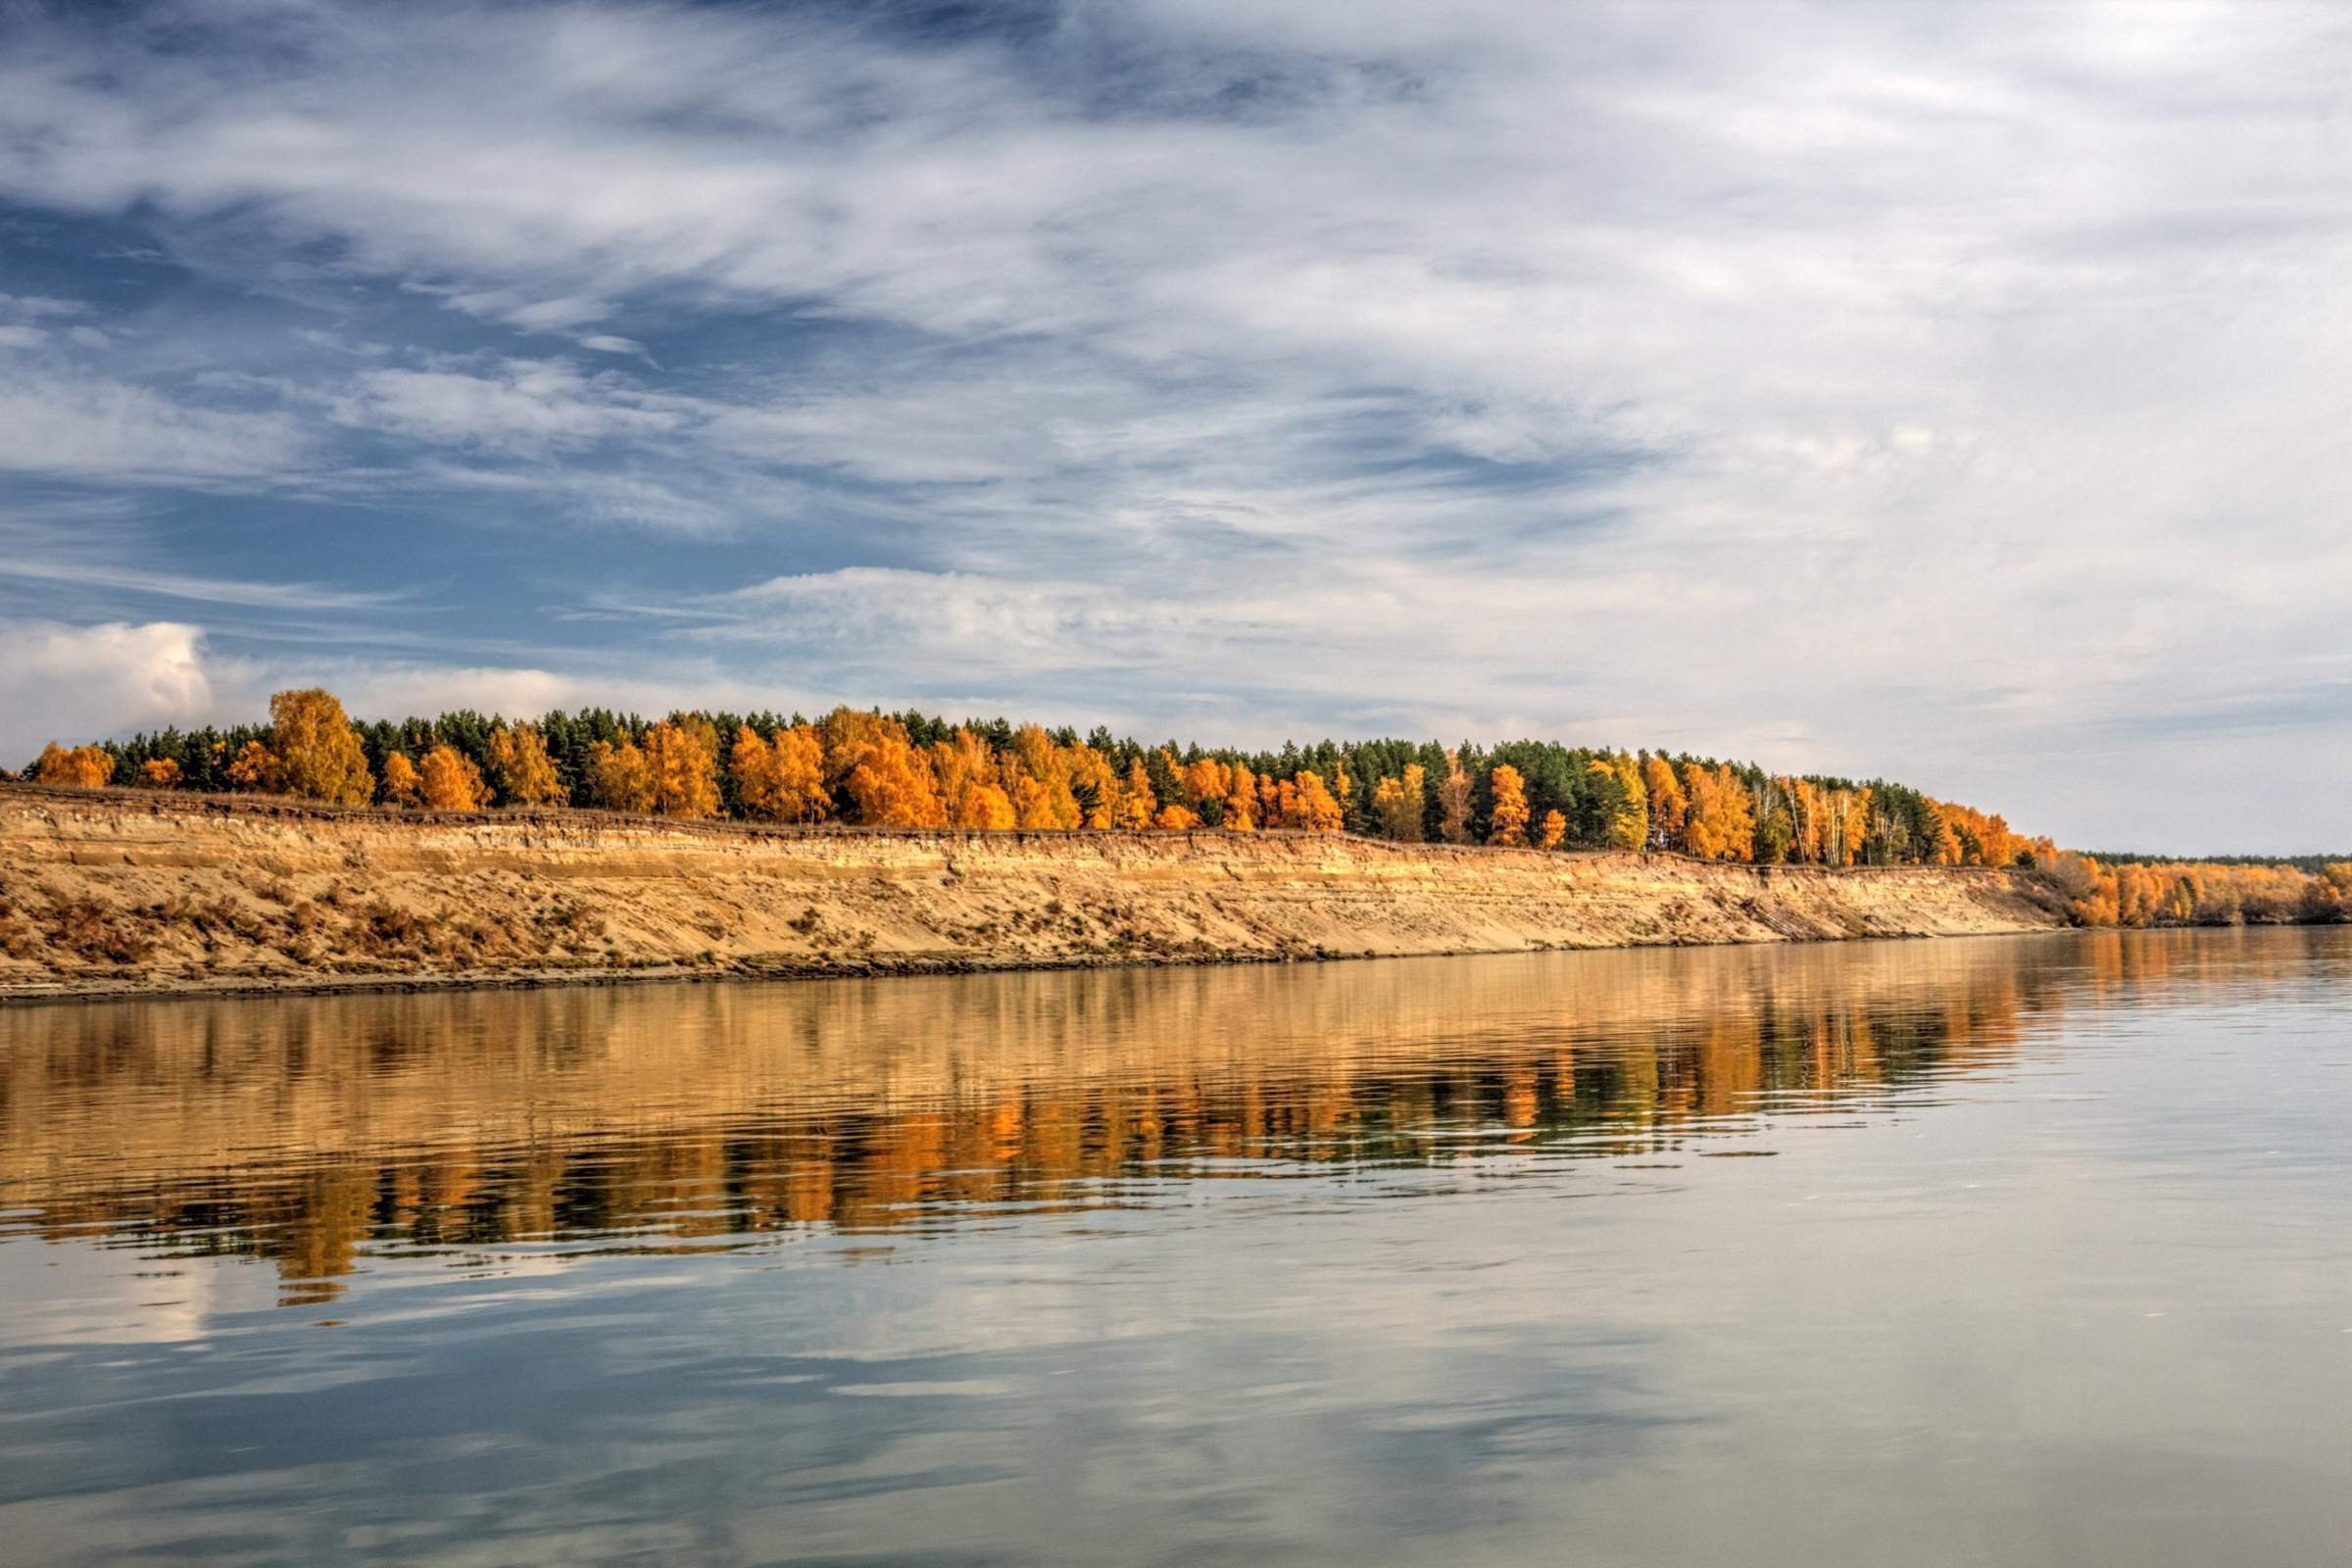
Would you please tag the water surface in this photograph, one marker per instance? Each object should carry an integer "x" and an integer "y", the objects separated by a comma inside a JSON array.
[{"x": 1995, "y": 1250}]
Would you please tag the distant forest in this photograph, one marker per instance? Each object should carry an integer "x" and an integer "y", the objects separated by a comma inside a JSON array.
[{"x": 912, "y": 770}]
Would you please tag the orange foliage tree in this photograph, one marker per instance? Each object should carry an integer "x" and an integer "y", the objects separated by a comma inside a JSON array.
[
  {"x": 255, "y": 767},
  {"x": 1311, "y": 804},
  {"x": 1506, "y": 823},
  {"x": 82, "y": 767},
  {"x": 159, "y": 773},
  {"x": 780, "y": 780},
  {"x": 402, "y": 786},
  {"x": 1240, "y": 800},
  {"x": 1719, "y": 823},
  {"x": 448, "y": 781}
]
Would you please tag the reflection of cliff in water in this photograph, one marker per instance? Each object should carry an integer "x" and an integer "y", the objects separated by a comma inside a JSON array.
[{"x": 303, "y": 1130}]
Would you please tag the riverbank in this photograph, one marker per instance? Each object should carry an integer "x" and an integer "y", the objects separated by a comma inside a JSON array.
[{"x": 126, "y": 892}]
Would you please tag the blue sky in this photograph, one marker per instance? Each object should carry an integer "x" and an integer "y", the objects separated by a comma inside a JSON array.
[{"x": 1953, "y": 392}]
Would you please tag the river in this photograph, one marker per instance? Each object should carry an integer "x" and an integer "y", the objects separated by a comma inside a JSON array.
[{"x": 1990, "y": 1250}]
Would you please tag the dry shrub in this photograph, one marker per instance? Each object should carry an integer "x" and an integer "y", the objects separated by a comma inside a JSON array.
[{"x": 94, "y": 932}]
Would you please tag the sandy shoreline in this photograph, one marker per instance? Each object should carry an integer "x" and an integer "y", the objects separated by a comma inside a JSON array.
[{"x": 119, "y": 894}]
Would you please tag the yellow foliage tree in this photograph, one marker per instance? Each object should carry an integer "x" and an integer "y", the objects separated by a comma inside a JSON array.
[
  {"x": 402, "y": 786},
  {"x": 318, "y": 752},
  {"x": 847, "y": 734},
  {"x": 1202, "y": 783},
  {"x": 1454, "y": 802},
  {"x": 1719, "y": 823},
  {"x": 1507, "y": 822},
  {"x": 1092, "y": 786},
  {"x": 448, "y": 781},
  {"x": 780, "y": 780},
  {"x": 620, "y": 779},
  {"x": 1556, "y": 828},
  {"x": 1629, "y": 825},
  {"x": 1668, "y": 804},
  {"x": 159, "y": 773},
  {"x": 1396, "y": 804},
  {"x": 982, "y": 804},
  {"x": 681, "y": 755},
  {"x": 1176, "y": 818},
  {"x": 964, "y": 773},
  {"x": 890, "y": 787},
  {"x": 1038, "y": 775},
  {"x": 525, "y": 775},
  {"x": 81, "y": 767},
  {"x": 1136, "y": 799}
]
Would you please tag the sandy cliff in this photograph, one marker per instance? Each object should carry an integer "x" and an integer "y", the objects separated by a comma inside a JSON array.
[{"x": 128, "y": 891}]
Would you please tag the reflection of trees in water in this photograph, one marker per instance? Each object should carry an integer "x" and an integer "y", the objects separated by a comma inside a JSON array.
[{"x": 303, "y": 1130}]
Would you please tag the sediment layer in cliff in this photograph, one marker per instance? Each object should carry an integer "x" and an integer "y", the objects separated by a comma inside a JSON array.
[{"x": 126, "y": 893}]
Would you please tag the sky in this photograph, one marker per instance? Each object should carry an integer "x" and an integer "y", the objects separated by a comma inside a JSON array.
[{"x": 1955, "y": 393}]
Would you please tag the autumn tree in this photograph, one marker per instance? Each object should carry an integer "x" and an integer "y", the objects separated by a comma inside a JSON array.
[
  {"x": 521, "y": 767},
  {"x": 799, "y": 773},
  {"x": 1454, "y": 802},
  {"x": 1205, "y": 784},
  {"x": 318, "y": 752},
  {"x": 1240, "y": 800},
  {"x": 682, "y": 759},
  {"x": 1137, "y": 801},
  {"x": 890, "y": 787},
  {"x": 448, "y": 780},
  {"x": 1038, "y": 775},
  {"x": 964, "y": 773},
  {"x": 400, "y": 786},
  {"x": 81, "y": 767},
  {"x": 1396, "y": 804},
  {"x": 1175, "y": 818},
  {"x": 981, "y": 804},
  {"x": 779, "y": 780},
  {"x": 159, "y": 773},
  {"x": 1668, "y": 804},
  {"x": 1315, "y": 808},
  {"x": 1506, "y": 823},
  {"x": 1556, "y": 828},
  {"x": 255, "y": 767},
  {"x": 619, "y": 778},
  {"x": 1719, "y": 823},
  {"x": 1627, "y": 825}
]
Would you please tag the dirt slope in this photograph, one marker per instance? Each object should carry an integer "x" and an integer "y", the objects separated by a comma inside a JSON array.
[{"x": 128, "y": 891}]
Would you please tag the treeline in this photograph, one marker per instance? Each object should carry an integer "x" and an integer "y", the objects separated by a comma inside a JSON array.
[
  {"x": 2313, "y": 863},
  {"x": 915, "y": 770},
  {"x": 2238, "y": 891}
]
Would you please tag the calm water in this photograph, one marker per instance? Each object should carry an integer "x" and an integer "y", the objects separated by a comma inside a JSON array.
[{"x": 1998, "y": 1252}]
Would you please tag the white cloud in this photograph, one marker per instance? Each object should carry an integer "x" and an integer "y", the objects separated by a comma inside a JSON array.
[
  {"x": 81, "y": 683},
  {"x": 70, "y": 425},
  {"x": 521, "y": 403}
]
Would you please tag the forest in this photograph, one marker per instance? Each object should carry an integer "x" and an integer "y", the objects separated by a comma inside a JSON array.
[{"x": 863, "y": 768}]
